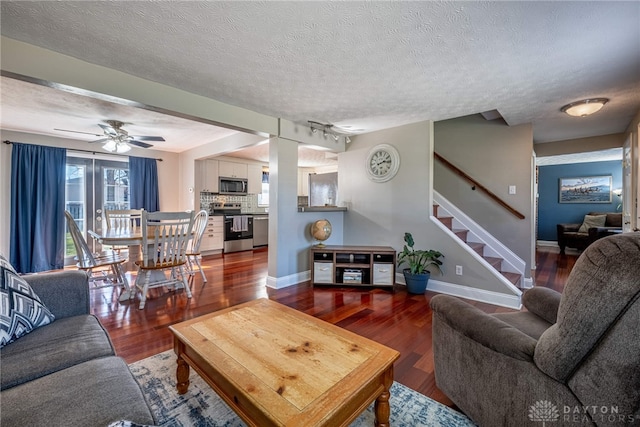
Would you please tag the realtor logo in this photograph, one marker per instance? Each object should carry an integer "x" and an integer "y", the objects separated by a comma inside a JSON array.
[{"x": 544, "y": 411}]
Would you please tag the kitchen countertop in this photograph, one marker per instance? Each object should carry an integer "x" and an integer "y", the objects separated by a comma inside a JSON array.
[
  {"x": 322, "y": 209},
  {"x": 242, "y": 213}
]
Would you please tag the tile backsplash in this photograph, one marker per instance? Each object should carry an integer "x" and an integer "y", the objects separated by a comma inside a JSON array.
[{"x": 249, "y": 202}]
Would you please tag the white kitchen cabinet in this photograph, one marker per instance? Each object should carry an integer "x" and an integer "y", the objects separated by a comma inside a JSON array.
[
  {"x": 254, "y": 179},
  {"x": 303, "y": 181},
  {"x": 206, "y": 178},
  {"x": 213, "y": 237},
  {"x": 232, "y": 169}
]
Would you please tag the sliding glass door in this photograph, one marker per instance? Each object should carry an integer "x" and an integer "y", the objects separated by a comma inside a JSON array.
[{"x": 93, "y": 185}]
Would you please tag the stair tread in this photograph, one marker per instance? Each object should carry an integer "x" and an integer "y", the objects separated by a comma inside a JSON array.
[
  {"x": 494, "y": 261},
  {"x": 476, "y": 244},
  {"x": 446, "y": 220},
  {"x": 512, "y": 277}
]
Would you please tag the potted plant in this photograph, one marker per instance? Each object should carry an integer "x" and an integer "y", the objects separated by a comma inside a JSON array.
[{"x": 418, "y": 263}]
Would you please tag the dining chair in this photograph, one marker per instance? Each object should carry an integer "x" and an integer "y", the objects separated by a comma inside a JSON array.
[
  {"x": 165, "y": 236},
  {"x": 193, "y": 248},
  {"x": 105, "y": 267},
  {"x": 124, "y": 219}
]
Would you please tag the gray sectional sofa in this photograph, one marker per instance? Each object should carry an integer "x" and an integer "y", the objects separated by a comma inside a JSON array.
[{"x": 66, "y": 373}]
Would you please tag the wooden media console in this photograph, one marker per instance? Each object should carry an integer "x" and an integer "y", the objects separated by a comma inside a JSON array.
[{"x": 353, "y": 265}]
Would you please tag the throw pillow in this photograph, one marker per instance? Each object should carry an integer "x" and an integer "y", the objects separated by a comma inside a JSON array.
[
  {"x": 592, "y": 221},
  {"x": 6, "y": 264},
  {"x": 21, "y": 310},
  {"x": 125, "y": 423}
]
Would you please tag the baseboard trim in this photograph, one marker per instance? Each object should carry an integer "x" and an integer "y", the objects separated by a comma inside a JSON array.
[
  {"x": 481, "y": 295},
  {"x": 547, "y": 243},
  {"x": 290, "y": 280},
  {"x": 527, "y": 283}
]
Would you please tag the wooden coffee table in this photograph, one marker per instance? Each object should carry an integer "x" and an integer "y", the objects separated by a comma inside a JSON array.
[{"x": 276, "y": 366}]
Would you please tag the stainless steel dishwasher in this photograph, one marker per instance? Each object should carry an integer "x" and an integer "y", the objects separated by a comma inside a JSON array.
[{"x": 260, "y": 230}]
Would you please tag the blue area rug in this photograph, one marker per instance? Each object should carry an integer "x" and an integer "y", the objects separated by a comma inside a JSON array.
[{"x": 201, "y": 406}]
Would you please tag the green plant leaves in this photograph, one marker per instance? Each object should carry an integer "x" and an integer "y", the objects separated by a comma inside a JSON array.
[{"x": 418, "y": 260}]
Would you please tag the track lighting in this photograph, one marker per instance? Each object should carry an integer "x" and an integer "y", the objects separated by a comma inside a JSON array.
[{"x": 328, "y": 129}]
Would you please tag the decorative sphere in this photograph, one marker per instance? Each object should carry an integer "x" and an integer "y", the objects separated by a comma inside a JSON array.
[{"x": 321, "y": 230}]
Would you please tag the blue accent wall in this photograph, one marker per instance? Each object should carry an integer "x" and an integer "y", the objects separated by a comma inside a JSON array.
[{"x": 551, "y": 212}]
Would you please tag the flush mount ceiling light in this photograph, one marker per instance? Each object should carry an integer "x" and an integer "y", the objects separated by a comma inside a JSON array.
[
  {"x": 328, "y": 130},
  {"x": 584, "y": 107}
]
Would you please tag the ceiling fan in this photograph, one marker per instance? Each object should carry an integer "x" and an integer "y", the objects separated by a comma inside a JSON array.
[{"x": 117, "y": 139}]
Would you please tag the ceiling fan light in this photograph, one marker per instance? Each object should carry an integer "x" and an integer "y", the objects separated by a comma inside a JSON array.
[
  {"x": 584, "y": 107},
  {"x": 110, "y": 146},
  {"x": 122, "y": 147}
]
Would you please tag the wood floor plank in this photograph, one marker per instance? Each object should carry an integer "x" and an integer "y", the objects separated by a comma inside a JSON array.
[{"x": 396, "y": 319}]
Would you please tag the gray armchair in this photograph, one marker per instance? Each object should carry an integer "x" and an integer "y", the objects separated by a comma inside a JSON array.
[{"x": 573, "y": 359}]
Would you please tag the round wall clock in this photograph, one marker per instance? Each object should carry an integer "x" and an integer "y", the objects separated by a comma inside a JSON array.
[{"x": 383, "y": 162}]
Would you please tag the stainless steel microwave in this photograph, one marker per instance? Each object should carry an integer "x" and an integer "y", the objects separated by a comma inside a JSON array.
[{"x": 236, "y": 186}]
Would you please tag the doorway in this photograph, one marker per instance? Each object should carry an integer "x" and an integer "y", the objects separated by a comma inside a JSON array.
[{"x": 91, "y": 186}]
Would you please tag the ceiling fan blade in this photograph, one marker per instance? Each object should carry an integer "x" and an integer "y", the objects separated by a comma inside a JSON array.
[
  {"x": 99, "y": 140},
  {"x": 75, "y": 131},
  {"x": 149, "y": 138},
  {"x": 139, "y": 143},
  {"x": 108, "y": 129}
]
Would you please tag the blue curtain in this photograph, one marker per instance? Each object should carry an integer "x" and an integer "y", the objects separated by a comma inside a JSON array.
[
  {"x": 143, "y": 184},
  {"x": 37, "y": 207}
]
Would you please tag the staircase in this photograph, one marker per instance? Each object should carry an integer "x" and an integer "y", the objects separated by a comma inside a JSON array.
[{"x": 493, "y": 254}]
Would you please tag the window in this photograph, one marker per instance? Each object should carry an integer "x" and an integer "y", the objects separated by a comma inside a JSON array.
[
  {"x": 263, "y": 197},
  {"x": 116, "y": 188},
  {"x": 93, "y": 185}
]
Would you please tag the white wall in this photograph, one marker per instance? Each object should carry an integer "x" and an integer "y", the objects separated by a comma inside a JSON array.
[
  {"x": 497, "y": 156},
  {"x": 5, "y": 195},
  {"x": 380, "y": 213},
  {"x": 289, "y": 236},
  {"x": 633, "y": 133}
]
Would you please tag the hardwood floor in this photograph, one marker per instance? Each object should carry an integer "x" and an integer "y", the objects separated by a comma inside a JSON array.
[{"x": 399, "y": 320}]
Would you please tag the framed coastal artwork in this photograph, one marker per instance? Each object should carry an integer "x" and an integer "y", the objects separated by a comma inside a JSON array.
[{"x": 586, "y": 189}]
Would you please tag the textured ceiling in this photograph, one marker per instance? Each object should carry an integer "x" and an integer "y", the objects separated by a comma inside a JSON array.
[
  {"x": 27, "y": 107},
  {"x": 369, "y": 65},
  {"x": 592, "y": 156}
]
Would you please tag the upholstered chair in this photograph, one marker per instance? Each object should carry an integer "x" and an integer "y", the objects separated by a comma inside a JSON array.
[
  {"x": 569, "y": 359},
  {"x": 579, "y": 236}
]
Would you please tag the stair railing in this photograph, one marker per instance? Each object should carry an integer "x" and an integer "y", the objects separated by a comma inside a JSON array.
[{"x": 476, "y": 184}]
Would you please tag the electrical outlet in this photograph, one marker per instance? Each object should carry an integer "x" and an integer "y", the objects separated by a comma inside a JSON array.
[
  {"x": 512, "y": 189},
  {"x": 458, "y": 270}
]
